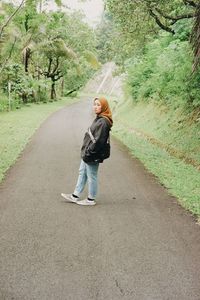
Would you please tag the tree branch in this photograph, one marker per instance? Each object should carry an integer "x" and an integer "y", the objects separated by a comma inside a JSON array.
[
  {"x": 9, "y": 56},
  {"x": 56, "y": 66},
  {"x": 190, "y": 2},
  {"x": 176, "y": 18},
  {"x": 158, "y": 14},
  {"x": 160, "y": 24},
  {"x": 10, "y": 18},
  {"x": 57, "y": 78},
  {"x": 49, "y": 67}
]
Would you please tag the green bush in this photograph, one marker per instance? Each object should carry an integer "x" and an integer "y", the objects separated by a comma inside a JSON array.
[
  {"x": 15, "y": 103},
  {"x": 163, "y": 73},
  {"x": 4, "y": 105}
]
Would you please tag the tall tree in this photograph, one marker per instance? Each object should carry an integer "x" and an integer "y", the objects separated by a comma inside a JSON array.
[
  {"x": 9, "y": 18},
  {"x": 195, "y": 39},
  {"x": 47, "y": 42},
  {"x": 131, "y": 15}
]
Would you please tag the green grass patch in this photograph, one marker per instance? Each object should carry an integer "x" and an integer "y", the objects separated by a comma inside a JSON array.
[
  {"x": 182, "y": 179},
  {"x": 172, "y": 128},
  {"x": 16, "y": 128}
]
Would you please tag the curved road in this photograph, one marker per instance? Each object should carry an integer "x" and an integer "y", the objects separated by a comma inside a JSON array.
[{"x": 137, "y": 243}]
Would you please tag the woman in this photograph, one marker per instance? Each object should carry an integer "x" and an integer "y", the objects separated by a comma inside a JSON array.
[{"x": 95, "y": 149}]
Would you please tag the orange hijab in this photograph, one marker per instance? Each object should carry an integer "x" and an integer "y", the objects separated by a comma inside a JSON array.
[{"x": 105, "y": 109}]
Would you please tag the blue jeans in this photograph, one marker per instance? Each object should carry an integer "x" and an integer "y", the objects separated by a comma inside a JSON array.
[{"x": 87, "y": 173}]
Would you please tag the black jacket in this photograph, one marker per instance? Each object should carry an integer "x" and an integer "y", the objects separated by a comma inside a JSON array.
[{"x": 100, "y": 149}]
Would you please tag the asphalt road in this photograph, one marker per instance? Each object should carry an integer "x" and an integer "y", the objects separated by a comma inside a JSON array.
[{"x": 136, "y": 243}]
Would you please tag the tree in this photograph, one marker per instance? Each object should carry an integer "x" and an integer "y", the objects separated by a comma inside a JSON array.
[
  {"x": 139, "y": 21},
  {"x": 40, "y": 50},
  {"x": 129, "y": 13},
  {"x": 9, "y": 19},
  {"x": 55, "y": 53},
  {"x": 195, "y": 39},
  {"x": 64, "y": 43}
]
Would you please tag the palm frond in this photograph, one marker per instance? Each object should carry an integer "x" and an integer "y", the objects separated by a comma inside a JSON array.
[
  {"x": 64, "y": 50},
  {"x": 91, "y": 59},
  {"x": 58, "y": 2}
]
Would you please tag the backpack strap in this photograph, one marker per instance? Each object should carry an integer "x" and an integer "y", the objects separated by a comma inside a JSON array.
[{"x": 91, "y": 136}]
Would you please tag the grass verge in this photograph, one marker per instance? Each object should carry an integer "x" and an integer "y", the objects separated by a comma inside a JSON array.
[
  {"x": 16, "y": 128},
  {"x": 169, "y": 128}
]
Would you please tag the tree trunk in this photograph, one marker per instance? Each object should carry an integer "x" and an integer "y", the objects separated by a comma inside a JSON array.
[
  {"x": 62, "y": 87},
  {"x": 24, "y": 97},
  {"x": 53, "y": 90},
  {"x": 195, "y": 40},
  {"x": 26, "y": 59},
  {"x": 40, "y": 6}
]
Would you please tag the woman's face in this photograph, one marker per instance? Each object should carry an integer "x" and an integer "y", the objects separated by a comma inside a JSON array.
[{"x": 97, "y": 107}]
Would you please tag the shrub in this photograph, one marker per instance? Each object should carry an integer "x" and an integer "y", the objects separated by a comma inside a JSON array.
[{"x": 163, "y": 72}]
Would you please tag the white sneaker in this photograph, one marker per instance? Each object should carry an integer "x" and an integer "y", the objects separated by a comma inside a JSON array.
[
  {"x": 70, "y": 197},
  {"x": 86, "y": 202}
]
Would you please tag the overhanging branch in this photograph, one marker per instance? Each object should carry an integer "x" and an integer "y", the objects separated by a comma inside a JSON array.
[
  {"x": 160, "y": 24},
  {"x": 10, "y": 18},
  {"x": 9, "y": 56},
  {"x": 176, "y": 18},
  {"x": 190, "y": 2}
]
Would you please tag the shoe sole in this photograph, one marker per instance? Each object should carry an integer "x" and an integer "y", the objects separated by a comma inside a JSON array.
[
  {"x": 68, "y": 199},
  {"x": 92, "y": 204}
]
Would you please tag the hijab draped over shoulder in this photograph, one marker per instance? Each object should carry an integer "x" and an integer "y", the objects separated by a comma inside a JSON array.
[{"x": 105, "y": 110}]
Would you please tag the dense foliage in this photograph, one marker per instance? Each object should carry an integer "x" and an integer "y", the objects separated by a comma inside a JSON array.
[
  {"x": 43, "y": 55},
  {"x": 163, "y": 73},
  {"x": 155, "y": 49},
  {"x": 47, "y": 55}
]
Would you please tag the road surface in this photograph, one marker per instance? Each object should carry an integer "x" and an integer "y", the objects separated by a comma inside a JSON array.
[{"x": 137, "y": 243}]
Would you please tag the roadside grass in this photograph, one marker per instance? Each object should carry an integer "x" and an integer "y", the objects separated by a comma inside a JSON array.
[
  {"x": 180, "y": 178},
  {"x": 16, "y": 128},
  {"x": 172, "y": 128}
]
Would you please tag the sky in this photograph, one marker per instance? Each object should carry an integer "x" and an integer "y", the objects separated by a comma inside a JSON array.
[{"x": 92, "y": 9}]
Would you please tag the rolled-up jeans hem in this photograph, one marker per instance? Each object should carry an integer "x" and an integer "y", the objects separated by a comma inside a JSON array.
[{"x": 87, "y": 173}]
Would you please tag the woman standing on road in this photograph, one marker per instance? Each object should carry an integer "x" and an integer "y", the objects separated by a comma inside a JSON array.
[{"x": 95, "y": 149}]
